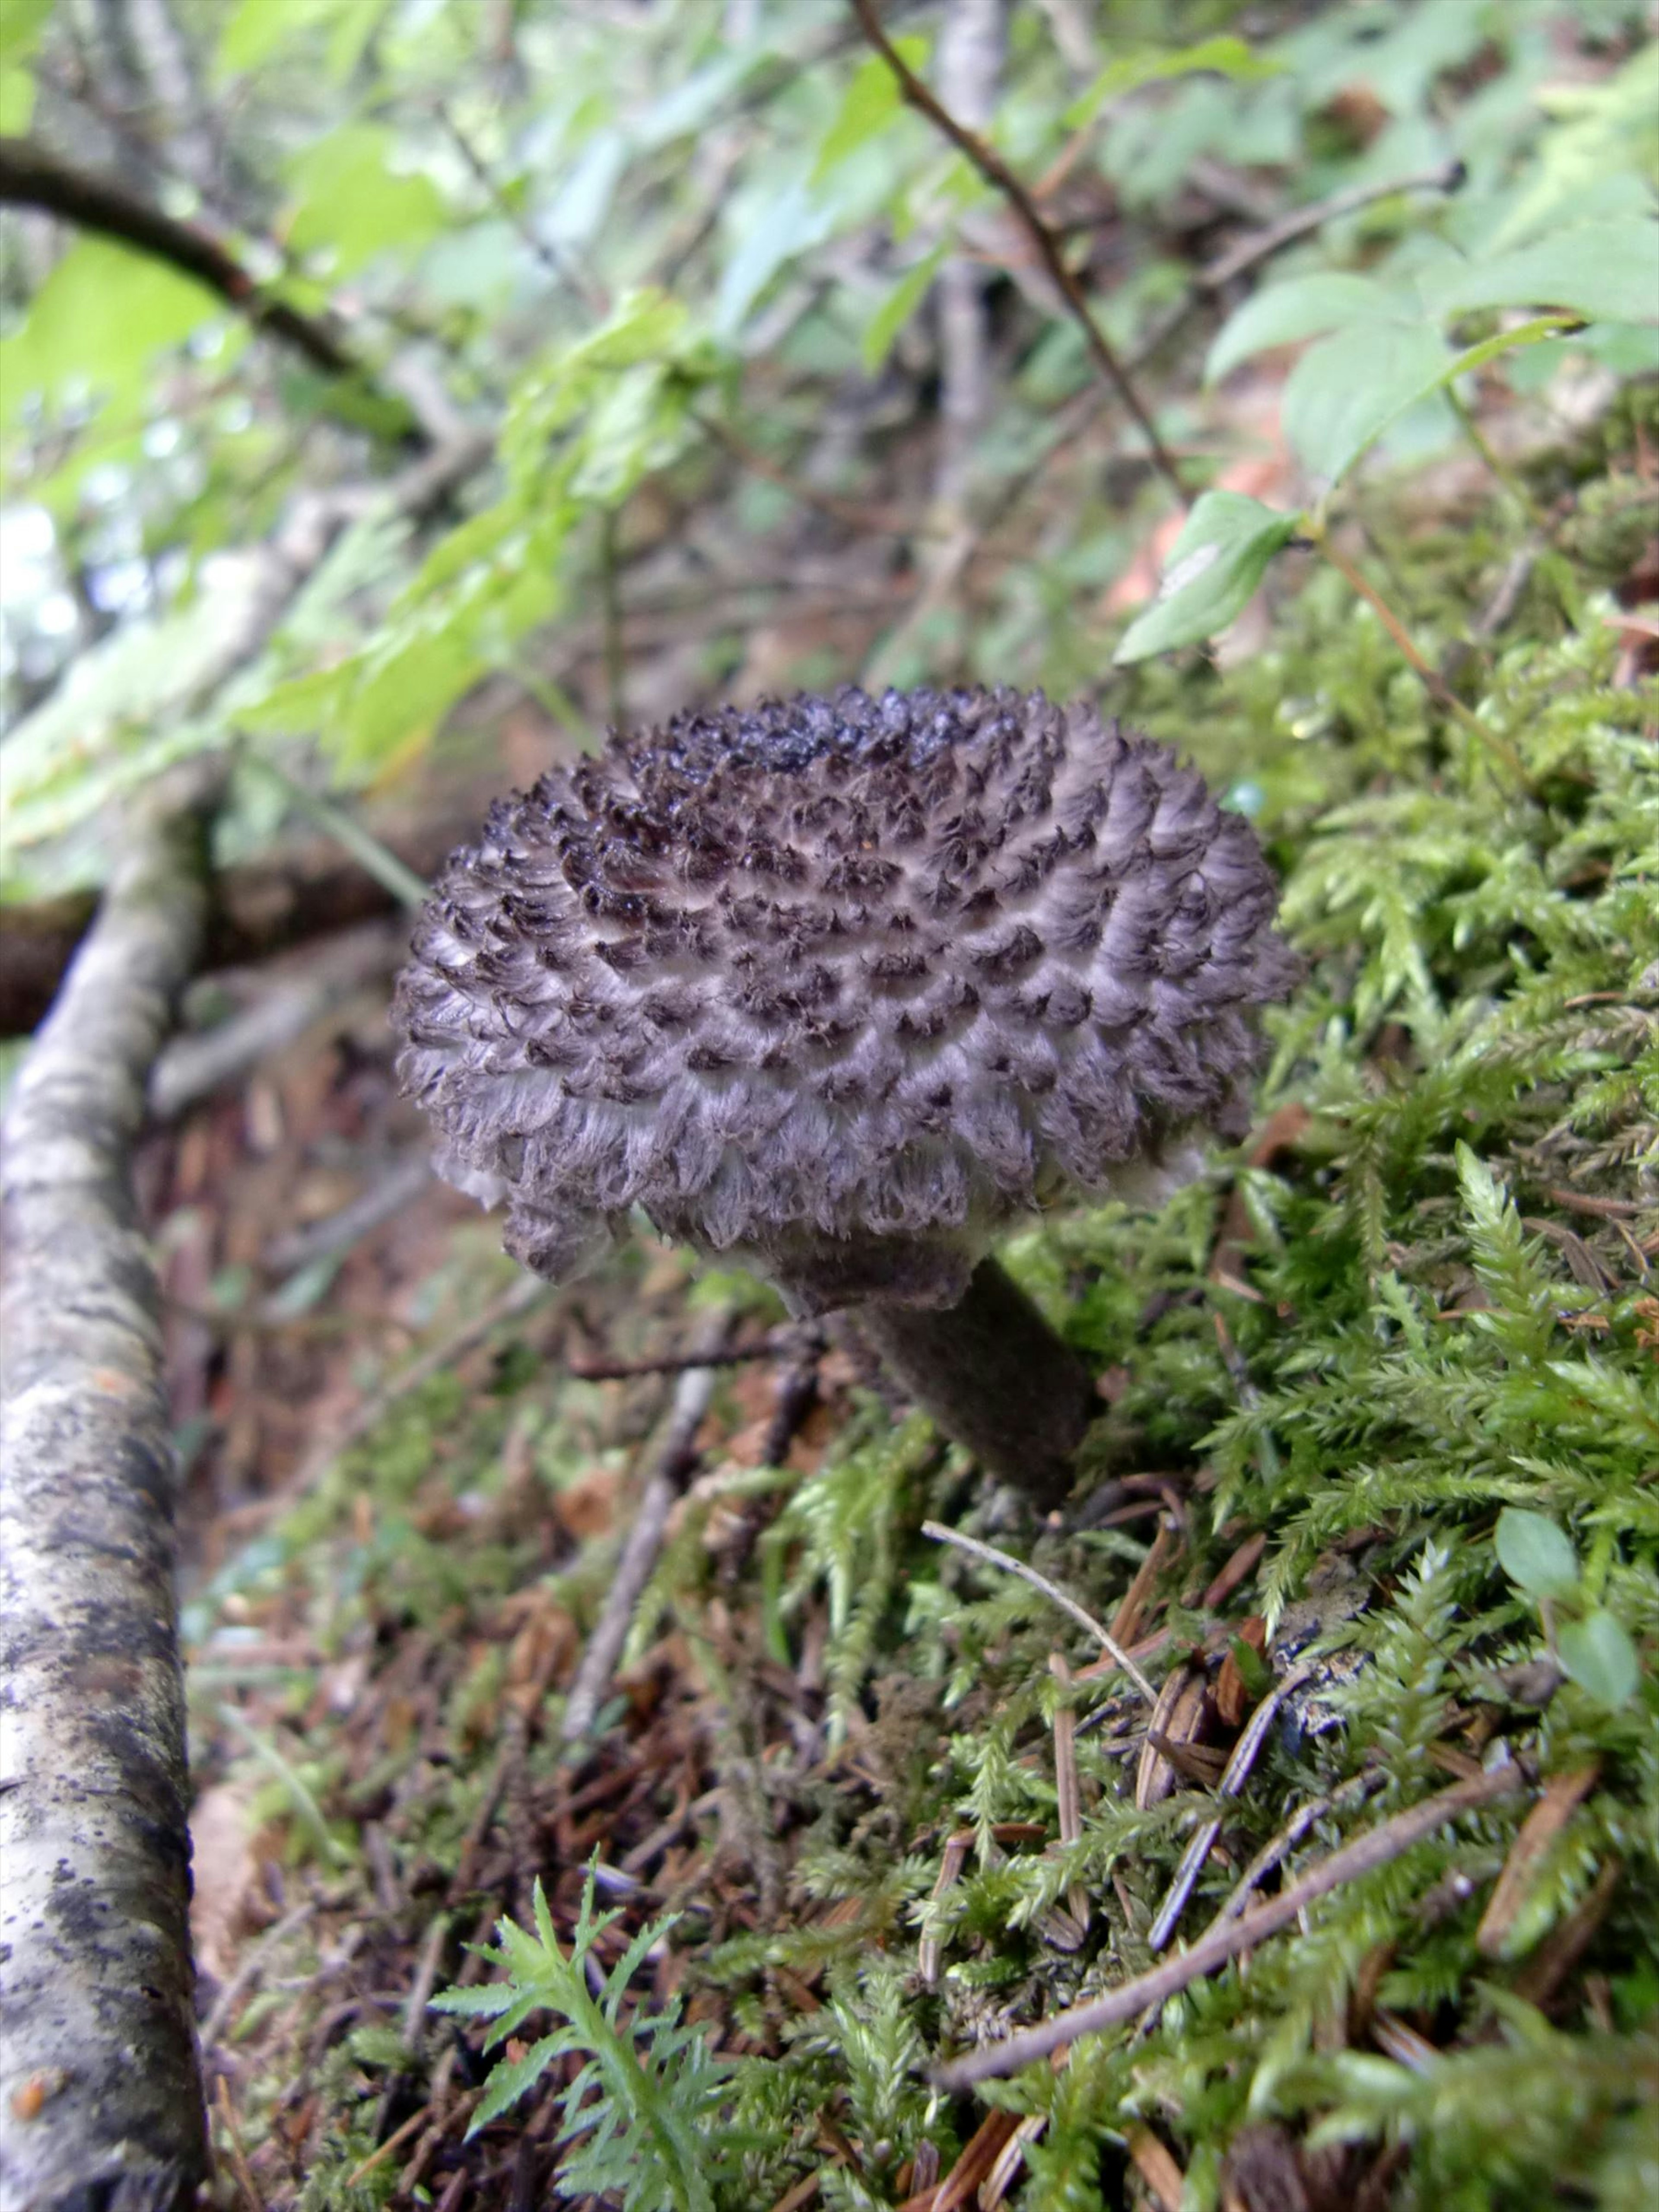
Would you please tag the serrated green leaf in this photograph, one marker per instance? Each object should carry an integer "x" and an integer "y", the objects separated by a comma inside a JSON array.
[
  {"x": 478, "y": 2004},
  {"x": 1220, "y": 557},
  {"x": 1604, "y": 272},
  {"x": 1536, "y": 1555},
  {"x": 1218, "y": 57},
  {"x": 1600, "y": 1658},
  {"x": 509, "y": 2079},
  {"x": 869, "y": 104},
  {"x": 896, "y": 311},
  {"x": 1344, "y": 392},
  {"x": 1303, "y": 307}
]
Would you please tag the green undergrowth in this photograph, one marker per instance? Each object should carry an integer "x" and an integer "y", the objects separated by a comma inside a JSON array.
[{"x": 1422, "y": 1299}]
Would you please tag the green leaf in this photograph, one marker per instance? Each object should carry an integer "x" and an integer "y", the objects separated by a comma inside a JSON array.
[
  {"x": 1220, "y": 557},
  {"x": 791, "y": 222},
  {"x": 16, "y": 101},
  {"x": 1604, "y": 272},
  {"x": 258, "y": 28},
  {"x": 1502, "y": 342},
  {"x": 353, "y": 204},
  {"x": 1217, "y": 57},
  {"x": 871, "y": 101},
  {"x": 897, "y": 309},
  {"x": 22, "y": 22},
  {"x": 1303, "y": 307},
  {"x": 1344, "y": 392},
  {"x": 97, "y": 321},
  {"x": 1536, "y": 1555},
  {"x": 510, "y": 2078},
  {"x": 1600, "y": 1658}
]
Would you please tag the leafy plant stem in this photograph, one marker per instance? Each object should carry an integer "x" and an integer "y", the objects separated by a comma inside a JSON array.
[
  {"x": 381, "y": 862},
  {"x": 307, "y": 1810},
  {"x": 611, "y": 593},
  {"x": 553, "y": 699},
  {"x": 1001, "y": 178},
  {"x": 1433, "y": 682},
  {"x": 1494, "y": 461}
]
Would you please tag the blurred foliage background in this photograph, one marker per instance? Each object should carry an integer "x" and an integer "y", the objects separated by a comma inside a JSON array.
[{"x": 730, "y": 371}]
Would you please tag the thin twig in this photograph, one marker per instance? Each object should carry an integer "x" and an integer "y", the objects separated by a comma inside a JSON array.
[
  {"x": 1052, "y": 1591},
  {"x": 671, "y": 1463},
  {"x": 252, "y": 1964},
  {"x": 1299, "y": 221},
  {"x": 1077, "y": 417},
  {"x": 1439, "y": 690},
  {"x": 1354, "y": 1792},
  {"x": 1212, "y": 1951},
  {"x": 519, "y": 1295},
  {"x": 553, "y": 259},
  {"x": 871, "y": 521},
  {"x": 1245, "y": 1753},
  {"x": 1001, "y": 178},
  {"x": 677, "y": 1363},
  {"x": 240, "y": 2165}
]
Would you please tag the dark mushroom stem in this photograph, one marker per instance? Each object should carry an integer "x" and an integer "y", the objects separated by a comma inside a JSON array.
[{"x": 995, "y": 1376}]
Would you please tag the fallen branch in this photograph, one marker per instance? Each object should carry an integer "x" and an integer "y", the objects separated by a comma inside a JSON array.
[
  {"x": 1214, "y": 1949},
  {"x": 302, "y": 891},
  {"x": 98, "y": 2007}
]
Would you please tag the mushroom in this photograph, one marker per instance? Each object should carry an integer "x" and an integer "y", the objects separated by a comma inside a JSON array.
[{"x": 840, "y": 988}]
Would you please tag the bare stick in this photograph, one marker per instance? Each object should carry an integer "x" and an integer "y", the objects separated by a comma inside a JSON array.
[
  {"x": 1052, "y": 1591},
  {"x": 1212, "y": 1951},
  {"x": 94, "y": 1837},
  {"x": 1297, "y": 222},
  {"x": 997, "y": 173},
  {"x": 677, "y": 1363},
  {"x": 193, "y": 1067},
  {"x": 671, "y": 1463},
  {"x": 1278, "y": 1847},
  {"x": 1246, "y": 1752},
  {"x": 554, "y": 259}
]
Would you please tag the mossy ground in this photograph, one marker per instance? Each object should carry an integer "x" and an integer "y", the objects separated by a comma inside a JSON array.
[{"x": 1425, "y": 1292}]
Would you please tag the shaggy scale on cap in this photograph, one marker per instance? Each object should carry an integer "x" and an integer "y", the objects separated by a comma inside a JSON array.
[{"x": 838, "y": 985}]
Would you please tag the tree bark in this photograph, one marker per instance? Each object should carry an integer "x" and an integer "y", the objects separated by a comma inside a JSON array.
[{"x": 103, "y": 2100}]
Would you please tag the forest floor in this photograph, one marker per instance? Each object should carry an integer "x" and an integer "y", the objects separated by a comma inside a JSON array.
[{"x": 897, "y": 1799}]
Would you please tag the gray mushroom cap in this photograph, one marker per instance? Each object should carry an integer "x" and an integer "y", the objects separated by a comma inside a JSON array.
[{"x": 839, "y": 987}]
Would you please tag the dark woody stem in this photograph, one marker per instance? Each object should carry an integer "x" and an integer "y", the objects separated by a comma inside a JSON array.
[{"x": 995, "y": 1377}]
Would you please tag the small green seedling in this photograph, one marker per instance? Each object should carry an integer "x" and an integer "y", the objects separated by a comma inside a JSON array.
[
  {"x": 1593, "y": 1648},
  {"x": 641, "y": 2112}
]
